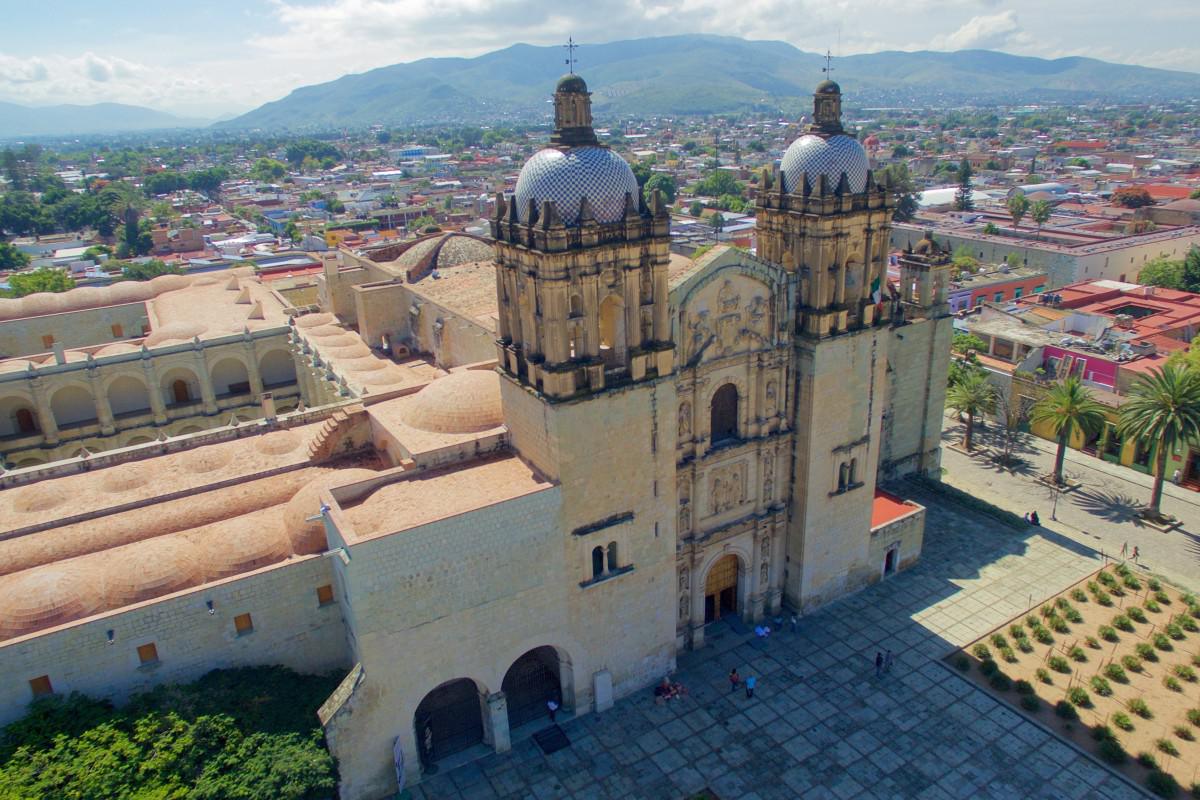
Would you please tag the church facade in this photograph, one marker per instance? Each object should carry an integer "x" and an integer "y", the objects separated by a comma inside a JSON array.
[{"x": 657, "y": 445}]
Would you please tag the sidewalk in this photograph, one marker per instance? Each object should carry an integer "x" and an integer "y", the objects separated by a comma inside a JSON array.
[{"x": 1102, "y": 512}]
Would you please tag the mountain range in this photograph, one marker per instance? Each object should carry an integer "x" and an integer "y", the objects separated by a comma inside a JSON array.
[
  {"x": 17, "y": 120},
  {"x": 699, "y": 74}
]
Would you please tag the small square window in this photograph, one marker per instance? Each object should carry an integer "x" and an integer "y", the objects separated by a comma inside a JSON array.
[
  {"x": 148, "y": 653},
  {"x": 48, "y": 341},
  {"x": 324, "y": 595},
  {"x": 40, "y": 686},
  {"x": 117, "y": 331},
  {"x": 243, "y": 624}
]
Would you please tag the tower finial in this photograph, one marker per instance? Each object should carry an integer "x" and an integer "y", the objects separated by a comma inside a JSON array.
[
  {"x": 571, "y": 48},
  {"x": 828, "y": 68}
]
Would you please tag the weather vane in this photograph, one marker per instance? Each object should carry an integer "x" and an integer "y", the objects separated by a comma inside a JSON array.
[
  {"x": 828, "y": 68},
  {"x": 571, "y": 47}
]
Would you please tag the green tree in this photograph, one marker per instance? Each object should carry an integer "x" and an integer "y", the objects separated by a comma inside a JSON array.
[
  {"x": 145, "y": 270},
  {"x": 291, "y": 231},
  {"x": 718, "y": 182},
  {"x": 42, "y": 279},
  {"x": 1039, "y": 212},
  {"x": 900, "y": 182},
  {"x": 1191, "y": 270},
  {"x": 971, "y": 396},
  {"x": 1068, "y": 407},
  {"x": 163, "y": 182},
  {"x": 696, "y": 208},
  {"x": 268, "y": 170},
  {"x": 1195, "y": 195},
  {"x": 717, "y": 221},
  {"x": 297, "y": 151},
  {"x": 208, "y": 180},
  {"x": 11, "y": 258},
  {"x": 1018, "y": 207},
  {"x": 966, "y": 343},
  {"x": 1132, "y": 197},
  {"x": 1162, "y": 410},
  {"x": 664, "y": 183},
  {"x": 962, "y": 198},
  {"x": 1162, "y": 271}
]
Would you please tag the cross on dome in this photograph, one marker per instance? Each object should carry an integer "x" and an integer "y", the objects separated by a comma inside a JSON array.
[{"x": 571, "y": 48}]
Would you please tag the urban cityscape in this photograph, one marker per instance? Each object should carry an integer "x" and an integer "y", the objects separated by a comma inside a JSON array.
[{"x": 738, "y": 411}]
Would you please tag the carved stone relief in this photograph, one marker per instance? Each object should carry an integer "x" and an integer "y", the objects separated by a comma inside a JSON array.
[
  {"x": 685, "y": 421},
  {"x": 727, "y": 487},
  {"x": 771, "y": 400},
  {"x": 768, "y": 480}
]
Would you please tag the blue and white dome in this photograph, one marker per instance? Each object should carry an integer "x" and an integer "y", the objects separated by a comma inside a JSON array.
[
  {"x": 567, "y": 176},
  {"x": 813, "y": 155}
]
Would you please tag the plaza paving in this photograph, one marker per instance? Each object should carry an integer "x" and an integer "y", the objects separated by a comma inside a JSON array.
[{"x": 821, "y": 725}]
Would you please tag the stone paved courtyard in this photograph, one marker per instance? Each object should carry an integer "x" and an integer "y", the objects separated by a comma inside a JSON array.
[{"x": 821, "y": 725}]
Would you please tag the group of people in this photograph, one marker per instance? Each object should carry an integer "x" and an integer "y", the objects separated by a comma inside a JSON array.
[
  {"x": 1033, "y": 519},
  {"x": 736, "y": 680},
  {"x": 668, "y": 690},
  {"x": 883, "y": 663}
]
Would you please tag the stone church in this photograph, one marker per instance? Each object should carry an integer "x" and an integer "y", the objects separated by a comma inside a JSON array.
[{"x": 648, "y": 445}]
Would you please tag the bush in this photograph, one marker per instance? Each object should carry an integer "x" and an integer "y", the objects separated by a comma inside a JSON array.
[
  {"x": 1101, "y": 686},
  {"x": 1043, "y": 675},
  {"x": 1136, "y": 614},
  {"x": 1102, "y": 598},
  {"x": 1062, "y": 603},
  {"x": 1122, "y": 721},
  {"x": 1145, "y": 651},
  {"x": 1193, "y": 716},
  {"x": 1131, "y": 663},
  {"x": 1058, "y": 624},
  {"x": 1151, "y": 606},
  {"x": 1185, "y": 672},
  {"x": 1185, "y": 733},
  {"x": 1115, "y": 672},
  {"x": 1001, "y": 682},
  {"x": 1008, "y": 655},
  {"x": 989, "y": 668},
  {"x": 1186, "y": 622},
  {"x": 1167, "y": 746},
  {"x": 998, "y": 640},
  {"x": 1065, "y": 710},
  {"x": 1032, "y": 621},
  {"x": 1024, "y": 645},
  {"x": 1106, "y": 579},
  {"x": 962, "y": 662},
  {"x": 1078, "y": 595},
  {"x": 1059, "y": 664},
  {"x": 1162, "y": 642},
  {"x": 1077, "y": 654},
  {"x": 1194, "y": 610},
  {"x": 1043, "y": 635},
  {"x": 1108, "y": 634},
  {"x": 1132, "y": 582},
  {"x": 1023, "y": 687},
  {"x": 1016, "y": 631},
  {"x": 1030, "y": 702},
  {"x": 1162, "y": 784},
  {"x": 1072, "y": 615},
  {"x": 1147, "y": 760},
  {"x": 1196, "y": 660},
  {"x": 247, "y": 733},
  {"x": 1111, "y": 751},
  {"x": 1173, "y": 684},
  {"x": 1092, "y": 642},
  {"x": 1078, "y": 696},
  {"x": 1163, "y": 598},
  {"x": 1122, "y": 623},
  {"x": 981, "y": 652},
  {"x": 1138, "y": 706},
  {"x": 1154, "y": 584},
  {"x": 1174, "y": 631}
]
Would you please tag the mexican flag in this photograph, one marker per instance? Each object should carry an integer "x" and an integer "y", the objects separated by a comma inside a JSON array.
[{"x": 876, "y": 297}]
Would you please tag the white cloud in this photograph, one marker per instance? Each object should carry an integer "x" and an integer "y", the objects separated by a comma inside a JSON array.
[{"x": 995, "y": 31}]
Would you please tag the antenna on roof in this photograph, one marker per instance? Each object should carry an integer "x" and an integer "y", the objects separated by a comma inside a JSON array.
[{"x": 571, "y": 48}]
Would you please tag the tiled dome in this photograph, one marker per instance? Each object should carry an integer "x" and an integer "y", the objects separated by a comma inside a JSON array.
[
  {"x": 461, "y": 402},
  {"x": 813, "y": 155},
  {"x": 47, "y": 596},
  {"x": 567, "y": 176},
  {"x": 149, "y": 569},
  {"x": 228, "y": 550}
]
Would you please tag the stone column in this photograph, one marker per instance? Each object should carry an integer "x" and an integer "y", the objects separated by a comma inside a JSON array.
[
  {"x": 104, "y": 412},
  {"x": 632, "y": 292},
  {"x": 698, "y": 577},
  {"x": 256, "y": 382},
  {"x": 157, "y": 406},
  {"x": 495, "y": 722},
  {"x": 45, "y": 415},
  {"x": 755, "y": 593},
  {"x": 206, "y": 387},
  {"x": 662, "y": 311}
]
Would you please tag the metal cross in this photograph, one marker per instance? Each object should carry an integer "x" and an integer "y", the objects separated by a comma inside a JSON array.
[
  {"x": 571, "y": 47},
  {"x": 828, "y": 68}
]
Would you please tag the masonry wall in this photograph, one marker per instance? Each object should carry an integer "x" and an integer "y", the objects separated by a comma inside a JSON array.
[
  {"x": 290, "y": 628},
  {"x": 918, "y": 357},
  {"x": 906, "y": 533},
  {"x": 23, "y": 337}
]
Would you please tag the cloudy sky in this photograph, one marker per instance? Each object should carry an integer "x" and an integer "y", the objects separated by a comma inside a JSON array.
[{"x": 224, "y": 56}]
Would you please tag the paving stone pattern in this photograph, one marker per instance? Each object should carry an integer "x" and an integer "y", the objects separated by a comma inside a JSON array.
[{"x": 821, "y": 725}]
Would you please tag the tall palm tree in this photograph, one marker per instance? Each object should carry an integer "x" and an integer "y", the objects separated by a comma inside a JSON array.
[
  {"x": 1039, "y": 212},
  {"x": 1163, "y": 410},
  {"x": 1068, "y": 407},
  {"x": 972, "y": 395}
]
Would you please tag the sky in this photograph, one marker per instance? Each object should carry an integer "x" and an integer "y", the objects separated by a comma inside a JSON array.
[{"x": 221, "y": 57}]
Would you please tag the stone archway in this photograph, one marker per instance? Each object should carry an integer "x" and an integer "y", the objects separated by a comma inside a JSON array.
[
  {"x": 448, "y": 720},
  {"x": 722, "y": 588},
  {"x": 533, "y": 680},
  {"x": 73, "y": 405}
]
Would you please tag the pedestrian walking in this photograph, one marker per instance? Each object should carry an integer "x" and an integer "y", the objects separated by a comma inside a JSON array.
[
  {"x": 1034, "y": 519},
  {"x": 888, "y": 661},
  {"x": 1124, "y": 549},
  {"x": 750, "y": 682},
  {"x": 734, "y": 680},
  {"x": 552, "y": 708},
  {"x": 1135, "y": 553},
  {"x": 878, "y": 664},
  {"x": 1176, "y": 477}
]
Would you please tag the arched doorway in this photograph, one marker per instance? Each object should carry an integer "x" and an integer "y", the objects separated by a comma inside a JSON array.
[
  {"x": 724, "y": 414},
  {"x": 180, "y": 393},
  {"x": 448, "y": 720},
  {"x": 721, "y": 589},
  {"x": 612, "y": 330},
  {"x": 26, "y": 421},
  {"x": 530, "y": 683}
]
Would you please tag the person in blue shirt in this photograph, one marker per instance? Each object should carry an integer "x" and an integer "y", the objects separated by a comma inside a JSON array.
[{"x": 750, "y": 681}]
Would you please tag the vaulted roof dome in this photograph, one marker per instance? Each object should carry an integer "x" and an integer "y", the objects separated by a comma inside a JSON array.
[
  {"x": 461, "y": 402},
  {"x": 568, "y": 176},
  {"x": 813, "y": 155}
]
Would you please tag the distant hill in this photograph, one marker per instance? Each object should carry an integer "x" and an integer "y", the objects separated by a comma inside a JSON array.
[
  {"x": 17, "y": 120},
  {"x": 695, "y": 74}
]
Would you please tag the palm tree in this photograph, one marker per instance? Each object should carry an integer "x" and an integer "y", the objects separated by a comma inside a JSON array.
[
  {"x": 1068, "y": 407},
  {"x": 1018, "y": 206},
  {"x": 972, "y": 395},
  {"x": 1039, "y": 212},
  {"x": 1163, "y": 409}
]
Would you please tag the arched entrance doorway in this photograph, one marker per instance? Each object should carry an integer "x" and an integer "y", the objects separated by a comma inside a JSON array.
[
  {"x": 530, "y": 683},
  {"x": 448, "y": 720},
  {"x": 721, "y": 589},
  {"x": 26, "y": 421}
]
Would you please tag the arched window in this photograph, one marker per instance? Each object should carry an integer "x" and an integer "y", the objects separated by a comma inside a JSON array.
[
  {"x": 597, "y": 561},
  {"x": 724, "y": 421},
  {"x": 853, "y": 471},
  {"x": 26, "y": 421},
  {"x": 612, "y": 556},
  {"x": 843, "y": 476},
  {"x": 612, "y": 329},
  {"x": 576, "y": 306},
  {"x": 180, "y": 392}
]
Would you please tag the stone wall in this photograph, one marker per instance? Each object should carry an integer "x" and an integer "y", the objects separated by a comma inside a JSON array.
[
  {"x": 82, "y": 328},
  {"x": 918, "y": 357},
  {"x": 290, "y": 628}
]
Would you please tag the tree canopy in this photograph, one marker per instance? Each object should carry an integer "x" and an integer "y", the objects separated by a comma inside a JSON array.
[
  {"x": 664, "y": 183},
  {"x": 145, "y": 270},
  {"x": 43, "y": 279},
  {"x": 1132, "y": 197},
  {"x": 719, "y": 182},
  {"x": 11, "y": 258},
  {"x": 900, "y": 181}
]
